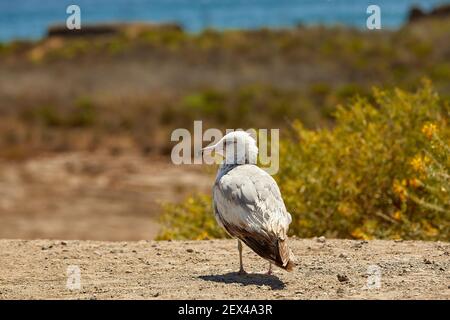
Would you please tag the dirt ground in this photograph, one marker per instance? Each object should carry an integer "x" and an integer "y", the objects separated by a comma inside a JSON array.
[
  {"x": 93, "y": 196},
  {"x": 327, "y": 269}
]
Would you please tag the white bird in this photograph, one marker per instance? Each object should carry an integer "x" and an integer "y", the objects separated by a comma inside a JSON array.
[{"x": 248, "y": 204}]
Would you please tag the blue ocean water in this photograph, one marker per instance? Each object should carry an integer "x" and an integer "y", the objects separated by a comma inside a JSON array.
[{"x": 29, "y": 19}]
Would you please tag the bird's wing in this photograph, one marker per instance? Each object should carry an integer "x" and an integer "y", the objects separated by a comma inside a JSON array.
[{"x": 248, "y": 203}]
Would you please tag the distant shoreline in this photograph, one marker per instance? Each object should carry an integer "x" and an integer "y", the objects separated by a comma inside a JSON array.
[{"x": 30, "y": 23}]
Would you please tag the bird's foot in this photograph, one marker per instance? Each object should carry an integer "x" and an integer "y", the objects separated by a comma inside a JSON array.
[
  {"x": 269, "y": 272},
  {"x": 242, "y": 272}
]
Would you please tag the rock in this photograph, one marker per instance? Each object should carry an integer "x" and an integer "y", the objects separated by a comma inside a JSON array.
[
  {"x": 321, "y": 239},
  {"x": 342, "y": 278},
  {"x": 47, "y": 247},
  {"x": 426, "y": 261},
  {"x": 416, "y": 14},
  {"x": 343, "y": 255},
  {"x": 189, "y": 250},
  {"x": 64, "y": 243},
  {"x": 109, "y": 29}
]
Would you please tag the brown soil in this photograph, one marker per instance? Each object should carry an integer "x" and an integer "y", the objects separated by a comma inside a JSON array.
[
  {"x": 327, "y": 269},
  {"x": 90, "y": 196}
]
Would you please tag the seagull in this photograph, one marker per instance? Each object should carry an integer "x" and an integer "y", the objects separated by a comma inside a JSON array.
[{"x": 248, "y": 204}]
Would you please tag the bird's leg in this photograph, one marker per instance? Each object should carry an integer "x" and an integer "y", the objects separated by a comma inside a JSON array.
[
  {"x": 241, "y": 266},
  {"x": 270, "y": 269}
]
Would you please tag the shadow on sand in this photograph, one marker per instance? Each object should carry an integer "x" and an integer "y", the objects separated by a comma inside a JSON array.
[{"x": 247, "y": 279}]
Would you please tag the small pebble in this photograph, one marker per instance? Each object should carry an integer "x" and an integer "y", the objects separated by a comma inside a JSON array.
[{"x": 342, "y": 278}]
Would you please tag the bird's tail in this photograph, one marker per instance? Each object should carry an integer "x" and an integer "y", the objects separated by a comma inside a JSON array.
[
  {"x": 289, "y": 266},
  {"x": 286, "y": 256}
]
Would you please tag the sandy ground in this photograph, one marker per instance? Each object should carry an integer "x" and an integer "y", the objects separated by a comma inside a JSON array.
[
  {"x": 327, "y": 269},
  {"x": 91, "y": 196}
]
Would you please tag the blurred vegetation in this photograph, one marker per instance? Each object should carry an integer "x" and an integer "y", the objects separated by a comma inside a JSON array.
[
  {"x": 376, "y": 168},
  {"x": 383, "y": 171},
  {"x": 192, "y": 219},
  {"x": 105, "y": 85}
]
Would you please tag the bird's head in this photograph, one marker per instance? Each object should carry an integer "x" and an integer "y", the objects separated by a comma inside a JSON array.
[{"x": 237, "y": 147}]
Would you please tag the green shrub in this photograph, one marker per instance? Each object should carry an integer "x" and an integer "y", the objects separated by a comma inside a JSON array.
[
  {"x": 429, "y": 185},
  {"x": 83, "y": 115},
  {"x": 193, "y": 219},
  {"x": 48, "y": 115},
  {"x": 346, "y": 182},
  {"x": 356, "y": 180}
]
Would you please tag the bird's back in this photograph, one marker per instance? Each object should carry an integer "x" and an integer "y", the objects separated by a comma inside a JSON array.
[{"x": 248, "y": 204}]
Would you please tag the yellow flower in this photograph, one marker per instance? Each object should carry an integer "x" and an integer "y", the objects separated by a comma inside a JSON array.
[
  {"x": 359, "y": 234},
  {"x": 202, "y": 236},
  {"x": 429, "y": 229},
  {"x": 429, "y": 129},
  {"x": 397, "y": 215},
  {"x": 344, "y": 209},
  {"x": 399, "y": 190},
  {"x": 418, "y": 164},
  {"x": 415, "y": 183}
]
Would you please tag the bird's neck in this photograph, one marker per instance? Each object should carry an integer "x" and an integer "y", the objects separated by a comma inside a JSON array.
[{"x": 224, "y": 168}]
